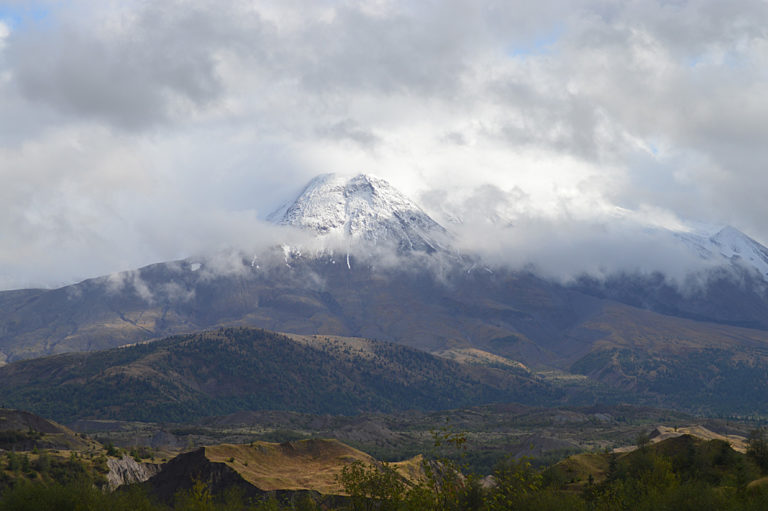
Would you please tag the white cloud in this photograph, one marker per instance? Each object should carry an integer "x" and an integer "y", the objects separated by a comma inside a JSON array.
[
  {"x": 5, "y": 31},
  {"x": 143, "y": 131}
]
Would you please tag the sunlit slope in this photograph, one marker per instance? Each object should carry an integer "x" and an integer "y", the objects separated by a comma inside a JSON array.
[{"x": 257, "y": 468}]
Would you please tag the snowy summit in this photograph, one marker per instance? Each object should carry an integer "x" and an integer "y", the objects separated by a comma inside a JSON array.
[
  {"x": 731, "y": 244},
  {"x": 365, "y": 208}
]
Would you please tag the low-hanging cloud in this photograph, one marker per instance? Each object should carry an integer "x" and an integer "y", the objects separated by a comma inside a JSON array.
[{"x": 498, "y": 227}]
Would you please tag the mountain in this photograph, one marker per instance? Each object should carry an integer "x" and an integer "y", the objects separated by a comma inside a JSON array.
[
  {"x": 362, "y": 208},
  {"x": 731, "y": 286},
  {"x": 224, "y": 371},
  {"x": 635, "y": 332},
  {"x": 728, "y": 243},
  {"x": 658, "y": 359},
  {"x": 432, "y": 302}
]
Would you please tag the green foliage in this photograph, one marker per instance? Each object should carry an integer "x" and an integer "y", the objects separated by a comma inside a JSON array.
[
  {"x": 372, "y": 487},
  {"x": 14, "y": 462},
  {"x": 270, "y": 504},
  {"x": 48, "y": 469},
  {"x": 112, "y": 450},
  {"x": 305, "y": 503},
  {"x": 43, "y": 463},
  {"x": 678, "y": 474},
  {"x": 24, "y": 463},
  {"x": 140, "y": 453},
  {"x": 516, "y": 481},
  {"x": 197, "y": 498},
  {"x": 758, "y": 448},
  {"x": 444, "y": 487},
  {"x": 79, "y": 495}
]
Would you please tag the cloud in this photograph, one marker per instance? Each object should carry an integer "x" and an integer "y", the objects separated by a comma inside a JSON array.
[
  {"x": 130, "y": 69},
  {"x": 5, "y": 31},
  {"x": 504, "y": 230},
  {"x": 349, "y": 130},
  {"x": 141, "y": 131}
]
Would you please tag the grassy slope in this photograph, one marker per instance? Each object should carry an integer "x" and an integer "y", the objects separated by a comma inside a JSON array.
[{"x": 302, "y": 465}]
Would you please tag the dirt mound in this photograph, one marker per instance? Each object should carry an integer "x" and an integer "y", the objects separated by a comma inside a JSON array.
[
  {"x": 302, "y": 465},
  {"x": 284, "y": 470}
]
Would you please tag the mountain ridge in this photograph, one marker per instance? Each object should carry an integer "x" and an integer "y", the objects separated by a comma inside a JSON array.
[{"x": 192, "y": 376}]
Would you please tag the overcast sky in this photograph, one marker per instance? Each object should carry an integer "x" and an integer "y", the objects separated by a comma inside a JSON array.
[{"x": 137, "y": 132}]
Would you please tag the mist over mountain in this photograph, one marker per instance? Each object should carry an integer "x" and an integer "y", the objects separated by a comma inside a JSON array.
[
  {"x": 366, "y": 215},
  {"x": 359, "y": 258},
  {"x": 506, "y": 228}
]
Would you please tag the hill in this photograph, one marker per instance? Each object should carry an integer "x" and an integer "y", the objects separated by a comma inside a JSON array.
[
  {"x": 25, "y": 431},
  {"x": 258, "y": 469},
  {"x": 696, "y": 455},
  {"x": 223, "y": 371}
]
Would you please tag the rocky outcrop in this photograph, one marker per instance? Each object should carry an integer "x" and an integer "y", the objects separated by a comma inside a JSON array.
[{"x": 127, "y": 470}]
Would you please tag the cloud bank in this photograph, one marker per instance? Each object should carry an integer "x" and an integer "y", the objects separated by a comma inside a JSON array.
[{"x": 134, "y": 132}]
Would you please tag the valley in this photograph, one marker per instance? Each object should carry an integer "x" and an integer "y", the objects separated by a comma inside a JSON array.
[
  {"x": 578, "y": 455},
  {"x": 383, "y": 255}
]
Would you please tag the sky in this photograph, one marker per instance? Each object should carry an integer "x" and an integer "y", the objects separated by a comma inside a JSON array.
[{"x": 134, "y": 132}]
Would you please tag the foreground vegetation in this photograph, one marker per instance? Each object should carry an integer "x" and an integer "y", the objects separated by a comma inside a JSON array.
[{"x": 683, "y": 473}]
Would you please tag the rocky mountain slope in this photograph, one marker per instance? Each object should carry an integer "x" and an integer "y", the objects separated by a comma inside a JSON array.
[{"x": 731, "y": 287}]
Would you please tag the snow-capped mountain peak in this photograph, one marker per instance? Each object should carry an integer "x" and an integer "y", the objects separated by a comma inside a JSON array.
[
  {"x": 363, "y": 207},
  {"x": 729, "y": 243},
  {"x": 735, "y": 244}
]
